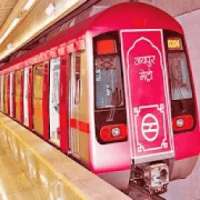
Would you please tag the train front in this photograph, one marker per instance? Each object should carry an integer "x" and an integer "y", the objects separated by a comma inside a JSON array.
[{"x": 144, "y": 106}]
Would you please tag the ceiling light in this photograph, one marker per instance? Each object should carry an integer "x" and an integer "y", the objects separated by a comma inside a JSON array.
[
  {"x": 50, "y": 9},
  {"x": 10, "y": 28},
  {"x": 28, "y": 5}
]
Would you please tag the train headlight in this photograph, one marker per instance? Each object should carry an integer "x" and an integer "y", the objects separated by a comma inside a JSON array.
[
  {"x": 115, "y": 132},
  {"x": 180, "y": 123},
  {"x": 156, "y": 177},
  {"x": 183, "y": 122}
]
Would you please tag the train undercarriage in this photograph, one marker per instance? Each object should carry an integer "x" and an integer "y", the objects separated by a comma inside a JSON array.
[{"x": 148, "y": 181}]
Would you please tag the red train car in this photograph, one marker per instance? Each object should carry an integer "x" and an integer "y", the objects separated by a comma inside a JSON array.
[{"x": 115, "y": 92}]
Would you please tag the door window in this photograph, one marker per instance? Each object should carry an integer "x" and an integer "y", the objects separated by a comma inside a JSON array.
[{"x": 76, "y": 63}]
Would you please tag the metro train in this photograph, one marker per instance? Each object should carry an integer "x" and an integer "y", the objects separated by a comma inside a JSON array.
[{"x": 115, "y": 92}]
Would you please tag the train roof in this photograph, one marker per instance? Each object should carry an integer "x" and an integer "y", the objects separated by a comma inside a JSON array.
[{"x": 121, "y": 16}]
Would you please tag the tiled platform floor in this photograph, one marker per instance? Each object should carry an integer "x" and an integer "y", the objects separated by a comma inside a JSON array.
[
  {"x": 31, "y": 169},
  {"x": 14, "y": 181}
]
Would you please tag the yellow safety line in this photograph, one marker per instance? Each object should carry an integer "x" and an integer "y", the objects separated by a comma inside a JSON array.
[{"x": 60, "y": 176}]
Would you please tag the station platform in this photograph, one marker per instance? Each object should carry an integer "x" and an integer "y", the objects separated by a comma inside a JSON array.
[{"x": 33, "y": 169}]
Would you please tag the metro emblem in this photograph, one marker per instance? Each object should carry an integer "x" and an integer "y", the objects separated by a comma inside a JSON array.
[{"x": 150, "y": 127}]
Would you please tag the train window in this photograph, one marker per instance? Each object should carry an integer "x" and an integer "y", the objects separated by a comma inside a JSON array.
[
  {"x": 108, "y": 73},
  {"x": 179, "y": 76},
  {"x": 110, "y": 112},
  {"x": 38, "y": 81},
  {"x": 18, "y": 95},
  {"x": 76, "y": 63},
  {"x": 182, "y": 101}
]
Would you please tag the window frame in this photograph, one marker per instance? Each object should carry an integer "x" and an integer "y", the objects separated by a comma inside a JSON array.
[
  {"x": 108, "y": 35},
  {"x": 76, "y": 95},
  {"x": 172, "y": 87},
  {"x": 193, "y": 110}
]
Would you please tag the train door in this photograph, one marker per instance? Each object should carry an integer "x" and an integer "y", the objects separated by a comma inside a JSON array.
[
  {"x": 54, "y": 104},
  {"x": 148, "y": 102},
  {"x": 25, "y": 97},
  {"x": 38, "y": 86},
  {"x": 79, "y": 109},
  {"x": 11, "y": 94},
  {"x": 74, "y": 102}
]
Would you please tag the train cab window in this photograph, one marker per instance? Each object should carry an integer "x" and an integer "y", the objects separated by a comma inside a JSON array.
[
  {"x": 110, "y": 111},
  {"x": 180, "y": 81},
  {"x": 182, "y": 101},
  {"x": 108, "y": 74}
]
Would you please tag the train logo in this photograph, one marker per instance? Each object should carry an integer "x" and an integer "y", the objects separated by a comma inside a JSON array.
[
  {"x": 151, "y": 135},
  {"x": 150, "y": 127}
]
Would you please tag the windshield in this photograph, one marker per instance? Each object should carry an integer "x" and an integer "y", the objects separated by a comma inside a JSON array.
[
  {"x": 108, "y": 73},
  {"x": 108, "y": 82},
  {"x": 179, "y": 76}
]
